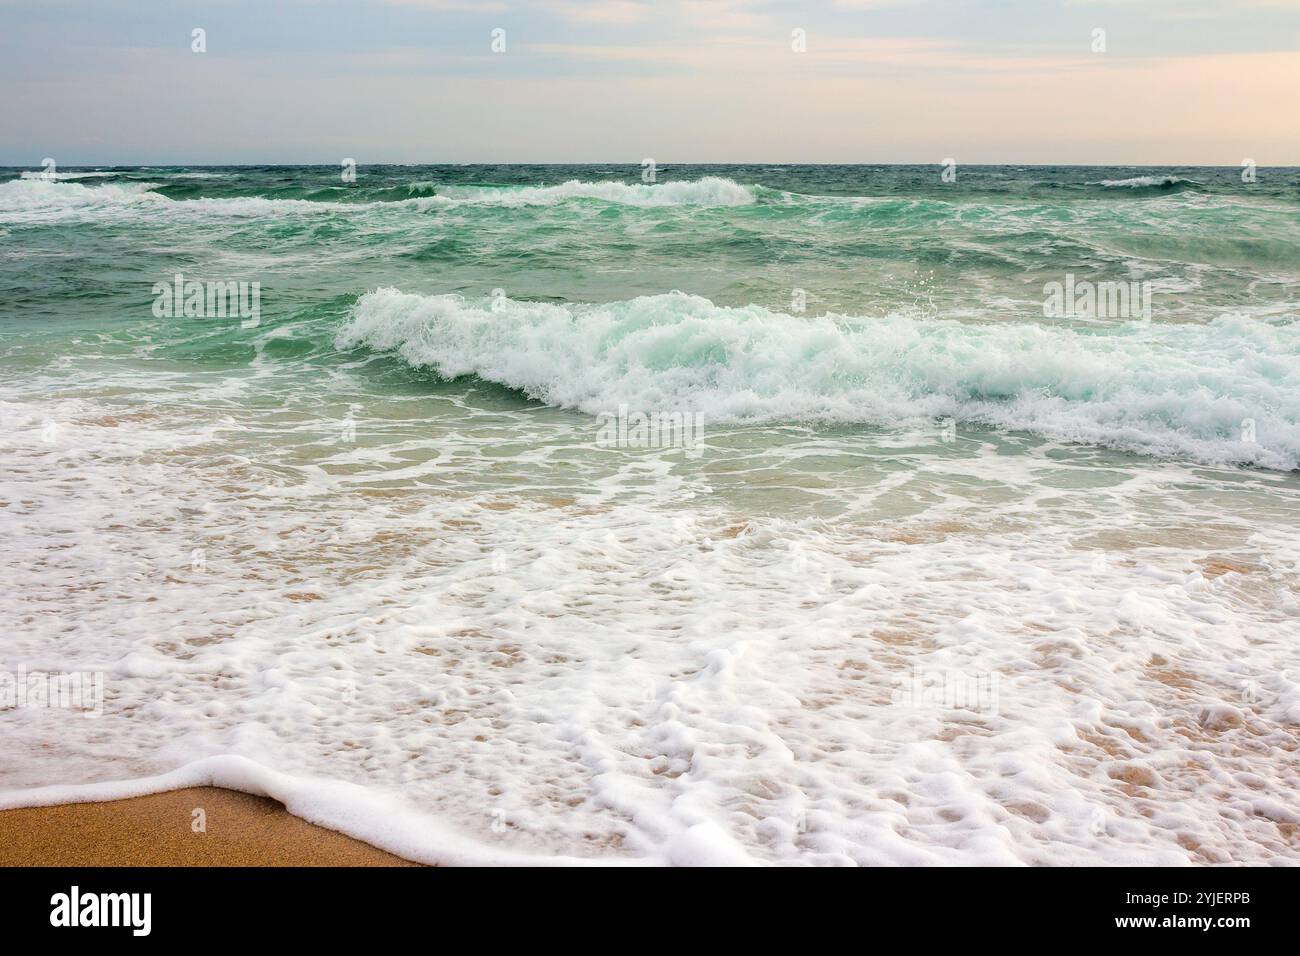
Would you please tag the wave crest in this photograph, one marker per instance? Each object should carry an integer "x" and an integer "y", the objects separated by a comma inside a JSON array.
[
  {"x": 1159, "y": 184},
  {"x": 37, "y": 193},
  {"x": 707, "y": 191},
  {"x": 42, "y": 175},
  {"x": 1177, "y": 391}
]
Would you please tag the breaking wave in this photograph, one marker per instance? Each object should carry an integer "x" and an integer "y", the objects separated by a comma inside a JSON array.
[{"x": 1224, "y": 392}]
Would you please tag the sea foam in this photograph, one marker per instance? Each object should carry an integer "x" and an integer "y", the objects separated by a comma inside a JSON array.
[
  {"x": 707, "y": 191},
  {"x": 493, "y": 678},
  {"x": 1225, "y": 391},
  {"x": 1159, "y": 184},
  {"x": 35, "y": 192},
  {"x": 40, "y": 174}
]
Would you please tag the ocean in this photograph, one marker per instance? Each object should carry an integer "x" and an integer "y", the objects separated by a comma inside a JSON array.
[{"x": 692, "y": 514}]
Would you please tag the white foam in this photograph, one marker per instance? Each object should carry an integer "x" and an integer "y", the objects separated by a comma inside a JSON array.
[
  {"x": 1137, "y": 181},
  {"x": 38, "y": 194},
  {"x": 439, "y": 659},
  {"x": 707, "y": 191},
  {"x": 1171, "y": 390},
  {"x": 380, "y": 820},
  {"x": 47, "y": 176}
]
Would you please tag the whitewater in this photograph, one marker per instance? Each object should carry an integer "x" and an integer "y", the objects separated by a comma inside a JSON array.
[
  {"x": 950, "y": 582},
  {"x": 1139, "y": 387}
]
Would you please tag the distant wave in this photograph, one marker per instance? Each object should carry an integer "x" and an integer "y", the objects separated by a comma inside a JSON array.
[
  {"x": 1176, "y": 391},
  {"x": 41, "y": 174},
  {"x": 707, "y": 191},
  {"x": 32, "y": 191},
  {"x": 1150, "y": 183},
  {"x": 35, "y": 196}
]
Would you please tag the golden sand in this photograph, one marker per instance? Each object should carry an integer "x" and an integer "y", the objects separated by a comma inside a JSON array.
[{"x": 157, "y": 830}]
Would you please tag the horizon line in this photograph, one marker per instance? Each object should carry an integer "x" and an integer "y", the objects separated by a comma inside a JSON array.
[{"x": 659, "y": 165}]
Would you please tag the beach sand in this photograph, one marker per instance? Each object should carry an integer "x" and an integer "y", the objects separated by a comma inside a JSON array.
[{"x": 155, "y": 830}]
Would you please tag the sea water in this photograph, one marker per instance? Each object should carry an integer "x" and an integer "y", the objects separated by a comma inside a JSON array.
[{"x": 753, "y": 514}]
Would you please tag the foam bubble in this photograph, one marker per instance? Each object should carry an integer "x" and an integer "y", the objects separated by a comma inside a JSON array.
[{"x": 436, "y": 649}]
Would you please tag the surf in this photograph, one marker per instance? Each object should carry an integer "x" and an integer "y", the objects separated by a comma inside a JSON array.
[{"x": 1227, "y": 391}]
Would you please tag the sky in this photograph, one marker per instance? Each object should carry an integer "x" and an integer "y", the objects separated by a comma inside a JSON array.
[{"x": 1179, "y": 82}]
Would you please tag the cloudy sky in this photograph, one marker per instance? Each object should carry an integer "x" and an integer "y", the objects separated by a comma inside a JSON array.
[{"x": 982, "y": 81}]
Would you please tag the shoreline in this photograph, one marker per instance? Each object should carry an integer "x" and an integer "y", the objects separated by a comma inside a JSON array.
[{"x": 167, "y": 829}]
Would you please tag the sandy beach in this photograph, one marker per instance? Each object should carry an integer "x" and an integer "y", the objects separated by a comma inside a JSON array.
[{"x": 157, "y": 830}]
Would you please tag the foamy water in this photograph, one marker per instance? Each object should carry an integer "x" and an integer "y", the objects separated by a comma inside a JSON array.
[
  {"x": 940, "y": 585},
  {"x": 1137, "y": 386}
]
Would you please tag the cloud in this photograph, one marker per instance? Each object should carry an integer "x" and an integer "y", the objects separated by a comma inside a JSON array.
[
  {"x": 870, "y": 4},
  {"x": 682, "y": 80},
  {"x": 599, "y": 11},
  {"x": 723, "y": 14},
  {"x": 452, "y": 6}
]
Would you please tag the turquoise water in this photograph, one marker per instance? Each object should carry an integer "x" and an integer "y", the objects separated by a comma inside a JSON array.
[
  {"x": 376, "y": 528},
  {"x": 874, "y": 248}
]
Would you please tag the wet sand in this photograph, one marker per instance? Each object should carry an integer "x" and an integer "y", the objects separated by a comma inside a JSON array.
[{"x": 158, "y": 830}]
